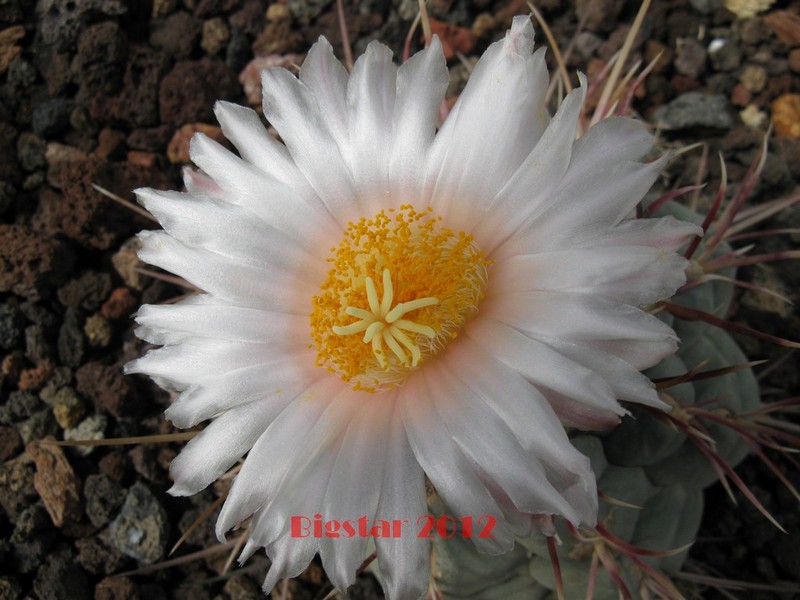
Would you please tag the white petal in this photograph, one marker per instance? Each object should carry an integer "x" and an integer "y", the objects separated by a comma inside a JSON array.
[
  {"x": 496, "y": 122},
  {"x": 206, "y": 317},
  {"x": 231, "y": 231},
  {"x": 585, "y": 201},
  {"x": 327, "y": 78},
  {"x": 666, "y": 233},
  {"x": 545, "y": 367},
  {"x": 444, "y": 463},
  {"x": 354, "y": 487},
  {"x": 404, "y": 561},
  {"x": 421, "y": 84},
  {"x": 305, "y": 126},
  {"x": 217, "y": 448},
  {"x": 370, "y": 100},
  {"x": 199, "y": 184},
  {"x": 611, "y": 141},
  {"x": 489, "y": 444},
  {"x": 196, "y": 359},
  {"x": 518, "y": 403},
  {"x": 241, "y": 284},
  {"x": 244, "y": 128},
  {"x": 284, "y": 377},
  {"x": 293, "y": 499},
  {"x": 627, "y": 383},
  {"x": 275, "y": 203},
  {"x": 625, "y": 331},
  {"x": 528, "y": 190},
  {"x": 630, "y": 275},
  {"x": 289, "y": 557},
  {"x": 276, "y": 452}
]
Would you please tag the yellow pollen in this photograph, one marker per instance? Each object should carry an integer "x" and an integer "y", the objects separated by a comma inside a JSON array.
[{"x": 432, "y": 282}]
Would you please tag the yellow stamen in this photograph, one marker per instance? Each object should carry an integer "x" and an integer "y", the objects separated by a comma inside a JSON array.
[
  {"x": 432, "y": 282},
  {"x": 376, "y": 322}
]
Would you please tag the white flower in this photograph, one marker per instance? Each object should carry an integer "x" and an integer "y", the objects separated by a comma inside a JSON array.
[{"x": 384, "y": 303}]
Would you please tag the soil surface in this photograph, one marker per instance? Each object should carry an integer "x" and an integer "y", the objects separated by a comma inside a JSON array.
[{"x": 108, "y": 92}]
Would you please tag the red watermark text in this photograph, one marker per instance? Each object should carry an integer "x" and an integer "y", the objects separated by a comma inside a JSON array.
[{"x": 426, "y": 526}]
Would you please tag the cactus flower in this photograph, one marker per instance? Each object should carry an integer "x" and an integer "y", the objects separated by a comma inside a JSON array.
[{"x": 384, "y": 304}]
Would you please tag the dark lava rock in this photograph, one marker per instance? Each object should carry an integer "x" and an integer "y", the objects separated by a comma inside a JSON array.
[
  {"x": 87, "y": 291},
  {"x": 59, "y": 22},
  {"x": 18, "y": 406},
  {"x": 10, "y": 14},
  {"x": 71, "y": 340},
  {"x": 107, "y": 387},
  {"x": 16, "y": 487},
  {"x": 8, "y": 195},
  {"x": 154, "y": 139},
  {"x": 28, "y": 556},
  {"x": 599, "y": 15},
  {"x": 20, "y": 75},
  {"x": 695, "y": 110},
  {"x": 188, "y": 92},
  {"x": 39, "y": 425},
  {"x": 10, "y": 443},
  {"x": 12, "y": 322},
  {"x": 98, "y": 65},
  {"x": 120, "y": 304},
  {"x": 690, "y": 59},
  {"x": 250, "y": 19},
  {"x": 30, "y": 521},
  {"x": 306, "y": 10},
  {"x": 726, "y": 56},
  {"x": 97, "y": 558},
  {"x": 37, "y": 344},
  {"x": 177, "y": 35},
  {"x": 136, "y": 105},
  {"x": 38, "y": 314},
  {"x": 30, "y": 151},
  {"x": 237, "y": 53},
  {"x": 706, "y": 6},
  {"x": 789, "y": 149},
  {"x": 117, "y": 588},
  {"x": 115, "y": 465},
  {"x": 52, "y": 116},
  {"x": 141, "y": 529},
  {"x": 31, "y": 263},
  {"x": 84, "y": 214},
  {"x": 59, "y": 577},
  {"x": 9, "y": 168},
  {"x": 10, "y": 589},
  {"x": 103, "y": 499}
]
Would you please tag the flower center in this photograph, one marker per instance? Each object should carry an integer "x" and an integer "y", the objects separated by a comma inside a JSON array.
[{"x": 432, "y": 280}]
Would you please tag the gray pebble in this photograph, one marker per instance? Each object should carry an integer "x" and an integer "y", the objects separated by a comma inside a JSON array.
[
  {"x": 695, "y": 109},
  {"x": 141, "y": 529},
  {"x": 11, "y": 324},
  {"x": 71, "y": 341},
  {"x": 104, "y": 497},
  {"x": 51, "y": 116}
]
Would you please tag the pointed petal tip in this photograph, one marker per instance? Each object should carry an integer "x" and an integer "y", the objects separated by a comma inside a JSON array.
[
  {"x": 519, "y": 39},
  {"x": 179, "y": 491}
]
